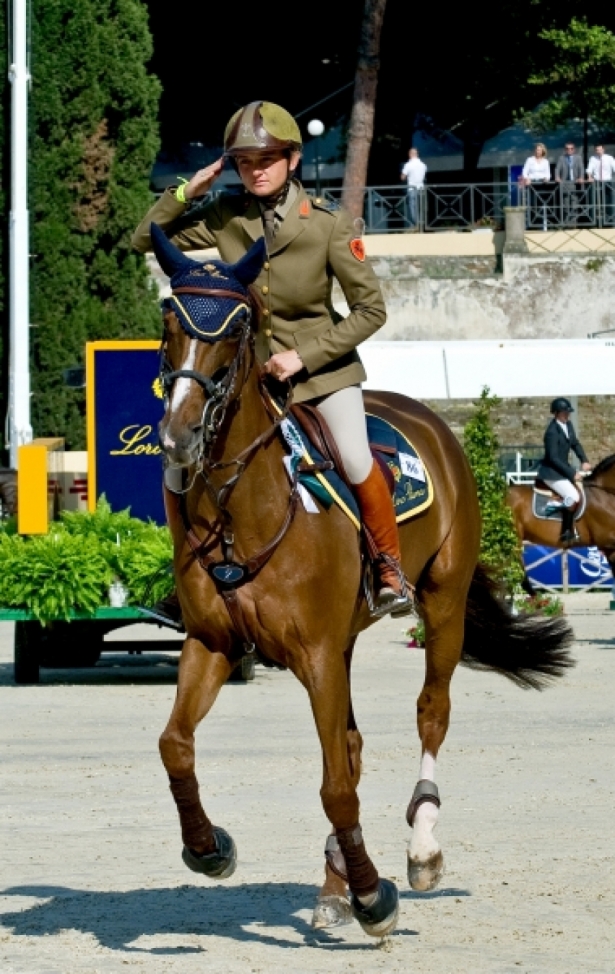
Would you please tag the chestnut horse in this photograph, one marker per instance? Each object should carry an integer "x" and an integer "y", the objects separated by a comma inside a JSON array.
[
  {"x": 255, "y": 569},
  {"x": 595, "y": 527}
]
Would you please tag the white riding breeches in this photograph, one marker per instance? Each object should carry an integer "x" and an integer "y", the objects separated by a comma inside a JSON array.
[
  {"x": 344, "y": 414},
  {"x": 566, "y": 490}
]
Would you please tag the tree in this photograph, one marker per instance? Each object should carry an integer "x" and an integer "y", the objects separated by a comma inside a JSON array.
[
  {"x": 500, "y": 546},
  {"x": 94, "y": 108},
  {"x": 361, "y": 129},
  {"x": 579, "y": 76}
]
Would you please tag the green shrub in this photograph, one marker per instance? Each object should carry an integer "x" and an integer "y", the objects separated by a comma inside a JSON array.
[
  {"x": 72, "y": 566},
  {"x": 500, "y": 546},
  {"x": 53, "y": 574}
]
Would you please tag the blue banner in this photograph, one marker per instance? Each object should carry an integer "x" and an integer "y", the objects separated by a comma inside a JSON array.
[
  {"x": 585, "y": 565},
  {"x": 124, "y": 409}
]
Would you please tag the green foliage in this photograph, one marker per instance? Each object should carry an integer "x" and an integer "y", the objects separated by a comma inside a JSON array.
[
  {"x": 53, "y": 574},
  {"x": 579, "y": 73},
  {"x": 94, "y": 108},
  {"x": 500, "y": 546},
  {"x": 72, "y": 566}
]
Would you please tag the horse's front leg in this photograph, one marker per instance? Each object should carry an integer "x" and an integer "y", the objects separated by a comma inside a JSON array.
[
  {"x": 374, "y": 901},
  {"x": 207, "y": 848}
]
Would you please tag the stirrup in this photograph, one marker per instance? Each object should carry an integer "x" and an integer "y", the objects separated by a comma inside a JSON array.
[
  {"x": 164, "y": 614},
  {"x": 389, "y": 601}
]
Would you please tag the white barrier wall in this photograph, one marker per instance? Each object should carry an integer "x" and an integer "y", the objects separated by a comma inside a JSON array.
[{"x": 460, "y": 370}]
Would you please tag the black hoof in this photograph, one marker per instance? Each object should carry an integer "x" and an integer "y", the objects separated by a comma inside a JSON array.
[
  {"x": 217, "y": 865},
  {"x": 379, "y": 919}
]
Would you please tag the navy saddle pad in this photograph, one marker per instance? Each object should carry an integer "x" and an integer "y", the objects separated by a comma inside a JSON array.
[{"x": 413, "y": 486}]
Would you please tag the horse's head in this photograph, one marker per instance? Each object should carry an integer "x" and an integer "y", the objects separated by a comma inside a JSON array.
[{"x": 207, "y": 335}]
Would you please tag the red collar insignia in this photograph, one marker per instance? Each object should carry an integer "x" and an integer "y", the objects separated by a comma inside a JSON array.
[{"x": 304, "y": 208}]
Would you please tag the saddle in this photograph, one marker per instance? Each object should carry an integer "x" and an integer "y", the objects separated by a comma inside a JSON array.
[
  {"x": 543, "y": 498},
  {"x": 317, "y": 431}
]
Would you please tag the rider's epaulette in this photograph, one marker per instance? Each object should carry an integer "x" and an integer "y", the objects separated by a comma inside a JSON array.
[{"x": 321, "y": 203}]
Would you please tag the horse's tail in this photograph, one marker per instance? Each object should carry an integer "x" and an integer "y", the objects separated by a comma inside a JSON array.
[{"x": 531, "y": 650}]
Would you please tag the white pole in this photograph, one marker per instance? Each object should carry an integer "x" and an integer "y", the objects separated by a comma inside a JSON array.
[{"x": 20, "y": 430}]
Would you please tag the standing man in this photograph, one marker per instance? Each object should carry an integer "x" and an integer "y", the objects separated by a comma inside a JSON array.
[
  {"x": 600, "y": 171},
  {"x": 414, "y": 174},
  {"x": 570, "y": 173}
]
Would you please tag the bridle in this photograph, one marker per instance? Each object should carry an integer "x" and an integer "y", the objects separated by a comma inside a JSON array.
[{"x": 220, "y": 389}]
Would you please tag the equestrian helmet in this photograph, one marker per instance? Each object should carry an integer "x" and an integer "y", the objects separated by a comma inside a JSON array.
[
  {"x": 259, "y": 126},
  {"x": 562, "y": 405}
]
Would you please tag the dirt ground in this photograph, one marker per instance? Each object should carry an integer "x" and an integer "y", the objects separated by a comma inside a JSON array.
[{"x": 92, "y": 877}]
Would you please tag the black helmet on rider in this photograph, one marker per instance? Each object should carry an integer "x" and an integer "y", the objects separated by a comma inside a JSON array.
[{"x": 562, "y": 405}]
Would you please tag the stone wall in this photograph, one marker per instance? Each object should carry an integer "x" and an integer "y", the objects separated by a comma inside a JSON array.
[{"x": 448, "y": 298}]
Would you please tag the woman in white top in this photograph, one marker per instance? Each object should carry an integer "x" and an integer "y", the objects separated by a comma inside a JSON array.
[{"x": 537, "y": 168}]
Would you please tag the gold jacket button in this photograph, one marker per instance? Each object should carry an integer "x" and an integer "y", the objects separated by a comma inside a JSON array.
[
  {"x": 266, "y": 265},
  {"x": 265, "y": 312},
  {"x": 265, "y": 289},
  {"x": 268, "y": 332},
  {"x": 318, "y": 200}
]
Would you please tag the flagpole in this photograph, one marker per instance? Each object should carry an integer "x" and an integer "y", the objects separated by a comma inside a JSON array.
[{"x": 19, "y": 428}]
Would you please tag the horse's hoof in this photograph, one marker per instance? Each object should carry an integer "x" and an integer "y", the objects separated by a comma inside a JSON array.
[
  {"x": 331, "y": 911},
  {"x": 217, "y": 865},
  {"x": 424, "y": 876},
  {"x": 379, "y": 919}
]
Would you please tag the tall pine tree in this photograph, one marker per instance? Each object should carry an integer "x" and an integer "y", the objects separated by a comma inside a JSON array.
[{"x": 94, "y": 139}]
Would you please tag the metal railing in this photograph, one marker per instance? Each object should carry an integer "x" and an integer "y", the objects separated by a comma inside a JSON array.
[
  {"x": 480, "y": 206},
  {"x": 454, "y": 206},
  {"x": 563, "y": 206}
]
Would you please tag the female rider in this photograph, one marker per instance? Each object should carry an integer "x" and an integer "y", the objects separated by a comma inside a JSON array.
[
  {"x": 555, "y": 470},
  {"x": 301, "y": 337}
]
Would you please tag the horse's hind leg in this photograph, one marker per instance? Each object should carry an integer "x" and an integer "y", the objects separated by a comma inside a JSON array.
[
  {"x": 207, "y": 849},
  {"x": 374, "y": 901},
  {"x": 332, "y": 907},
  {"x": 443, "y": 605}
]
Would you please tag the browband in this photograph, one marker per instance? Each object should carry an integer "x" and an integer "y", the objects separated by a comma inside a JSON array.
[{"x": 212, "y": 292}]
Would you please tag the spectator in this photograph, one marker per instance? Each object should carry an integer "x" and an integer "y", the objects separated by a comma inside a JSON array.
[
  {"x": 569, "y": 172},
  {"x": 537, "y": 168},
  {"x": 601, "y": 170},
  {"x": 536, "y": 173},
  {"x": 414, "y": 173}
]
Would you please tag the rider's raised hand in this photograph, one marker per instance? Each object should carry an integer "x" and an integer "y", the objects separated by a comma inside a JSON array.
[{"x": 203, "y": 180}]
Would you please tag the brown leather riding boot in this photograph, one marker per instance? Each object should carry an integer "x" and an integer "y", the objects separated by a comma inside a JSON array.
[{"x": 378, "y": 515}]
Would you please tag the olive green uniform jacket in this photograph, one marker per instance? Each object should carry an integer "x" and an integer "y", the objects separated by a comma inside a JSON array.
[{"x": 311, "y": 247}]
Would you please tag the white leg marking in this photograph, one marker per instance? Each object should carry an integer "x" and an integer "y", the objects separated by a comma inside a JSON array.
[
  {"x": 182, "y": 386},
  {"x": 423, "y": 843}
]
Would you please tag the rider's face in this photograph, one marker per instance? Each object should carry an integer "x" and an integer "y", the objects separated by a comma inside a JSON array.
[
  {"x": 563, "y": 416},
  {"x": 265, "y": 173}
]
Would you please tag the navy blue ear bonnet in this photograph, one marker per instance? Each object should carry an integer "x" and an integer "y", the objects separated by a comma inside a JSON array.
[{"x": 205, "y": 315}]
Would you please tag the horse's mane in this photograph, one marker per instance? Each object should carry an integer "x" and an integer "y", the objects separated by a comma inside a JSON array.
[{"x": 602, "y": 467}]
